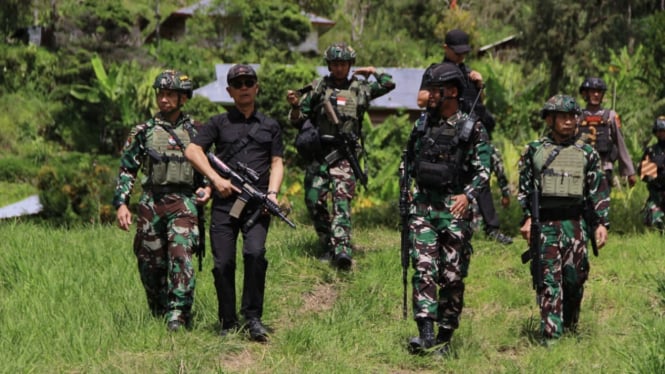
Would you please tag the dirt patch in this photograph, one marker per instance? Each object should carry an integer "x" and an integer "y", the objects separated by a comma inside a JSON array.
[
  {"x": 320, "y": 299},
  {"x": 238, "y": 361}
]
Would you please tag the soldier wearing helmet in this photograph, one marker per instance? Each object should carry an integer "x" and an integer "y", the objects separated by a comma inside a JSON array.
[
  {"x": 335, "y": 107},
  {"x": 167, "y": 229},
  {"x": 603, "y": 127},
  {"x": 449, "y": 159},
  {"x": 652, "y": 171},
  {"x": 564, "y": 173},
  {"x": 456, "y": 47}
]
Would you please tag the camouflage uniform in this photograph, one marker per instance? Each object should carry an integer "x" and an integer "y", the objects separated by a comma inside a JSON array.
[
  {"x": 321, "y": 177},
  {"x": 167, "y": 230},
  {"x": 654, "y": 209},
  {"x": 496, "y": 167},
  {"x": 564, "y": 258},
  {"x": 441, "y": 242}
]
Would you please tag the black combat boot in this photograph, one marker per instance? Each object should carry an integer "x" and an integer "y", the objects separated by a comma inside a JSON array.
[
  {"x": 425, "y": 339},
  {"x": 443, "y": 341}
]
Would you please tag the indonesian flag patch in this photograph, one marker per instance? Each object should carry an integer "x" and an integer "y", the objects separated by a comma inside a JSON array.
[{"x": 341, "y": 100}]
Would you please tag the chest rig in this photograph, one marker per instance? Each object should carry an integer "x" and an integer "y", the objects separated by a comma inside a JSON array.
[
  {"x": 349, "y": 103},
  {"x": 562, "y": 180},
  {"x": 597, "y": 126},
  {"x": 166, "y": 164},
  {"x": 440, "y": 157}
]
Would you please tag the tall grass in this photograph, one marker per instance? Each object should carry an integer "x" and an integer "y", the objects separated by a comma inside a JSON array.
[{"x": 71, "y": 302}]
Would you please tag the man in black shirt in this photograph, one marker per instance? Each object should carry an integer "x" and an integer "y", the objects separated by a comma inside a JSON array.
[{"x": 242, "y": 135}]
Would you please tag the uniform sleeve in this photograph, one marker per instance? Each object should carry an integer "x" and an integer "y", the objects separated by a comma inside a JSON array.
[
  {"x": 130, "y": 163},
  {"x": 480, "y": 155},
  {"x": 384, "y": 84},
  {"x": 598, "y": 192},
  {"x": 526, "y": 184}
]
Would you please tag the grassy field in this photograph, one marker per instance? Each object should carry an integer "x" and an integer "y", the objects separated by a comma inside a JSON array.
[{"x": 71, "y": 302}]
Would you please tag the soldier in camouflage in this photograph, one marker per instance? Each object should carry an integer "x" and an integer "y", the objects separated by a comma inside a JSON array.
[
  {"x": 567, "y": 174},
  {"x": 330, "y": 172},
  {"x": 652, "y": 172},
  {"x": 167, "y": 231},
  {"x": 450, "y": 165},
  {"x": 603, "y": 128}
]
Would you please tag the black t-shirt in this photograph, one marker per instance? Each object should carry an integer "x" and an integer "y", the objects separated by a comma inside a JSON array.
[{"x": 226, "y": 129}]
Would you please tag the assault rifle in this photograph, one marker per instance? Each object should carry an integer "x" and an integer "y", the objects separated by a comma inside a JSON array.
[
  {"x": 533, "y": 253},
  {"x": 349, "y": 144},
  {"x": 245, "y": 182},
  {"x": 404, "y": 187}
]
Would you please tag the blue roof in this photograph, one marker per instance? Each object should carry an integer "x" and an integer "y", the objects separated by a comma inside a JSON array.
[{"x": 404, "y": 96}]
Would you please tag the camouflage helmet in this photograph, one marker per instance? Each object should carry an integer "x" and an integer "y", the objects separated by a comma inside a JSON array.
[
  {"x": 658, "y": 124},
  {"x": 593, "y": 83},
  {"x": 438, "y": 75},
  {"x": 560, "y": 103},
  {"x": 174, "y": 80},
  {"x": 340, "y": 52}
]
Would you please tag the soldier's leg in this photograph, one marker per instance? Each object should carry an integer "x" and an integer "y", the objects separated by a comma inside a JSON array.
[
  {"x": 455, "y": 260},
  {"x": 223, "y": 236},
  {"x": 150, "y": 248},
  {"x": 317, "y": 188},
  {"x": 183, "y": 235},
  {"x": 550, "y": 296},
  {"x": 344, "y": 189},
  {"x": 425, "y": 256},
  {"x": 575, "y": 274}
]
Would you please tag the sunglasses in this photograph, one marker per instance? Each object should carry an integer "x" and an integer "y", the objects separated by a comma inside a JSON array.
[{"x": 237, "y": 84}]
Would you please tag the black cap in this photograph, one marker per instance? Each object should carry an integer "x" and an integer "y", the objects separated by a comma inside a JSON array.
[
  {"x": 458, "y": 41},
  {"x": 239, "y": 70}
]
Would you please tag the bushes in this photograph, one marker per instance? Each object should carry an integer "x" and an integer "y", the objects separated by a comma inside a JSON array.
[{"x": 77, "y": 188}]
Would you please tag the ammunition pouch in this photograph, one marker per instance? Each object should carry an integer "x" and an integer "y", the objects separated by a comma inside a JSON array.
[
  {"x": 435, "y": 175},
  {"x": 308, "y": 142}
]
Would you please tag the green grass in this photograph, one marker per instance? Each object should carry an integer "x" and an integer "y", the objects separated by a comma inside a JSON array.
[
  {"x": 72, "y": 303},
  {"x": 15, "y": 192}
]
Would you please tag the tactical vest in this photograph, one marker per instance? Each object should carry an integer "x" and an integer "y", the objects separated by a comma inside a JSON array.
[
  {"x": 166, "y": 163},
  {"x": 562, "y": 183},
  {"x": 598, "y": 129},
  {"x": 438, "y": 162},
  {"x": 350, "y": 104}
]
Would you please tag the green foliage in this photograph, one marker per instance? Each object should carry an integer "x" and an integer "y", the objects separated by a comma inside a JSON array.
[
  {"x": 126, "y": 97},
  {"x": 77, "y": 188},
  {"x": 269, "y": 29},
  {"x": 200, "y": 108},
  {"x": 27, "y": 69}
]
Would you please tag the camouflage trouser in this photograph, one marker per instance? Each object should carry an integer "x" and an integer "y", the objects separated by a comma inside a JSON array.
[
  {"x": 565, "y": 269},
  {"x": 440, "y": 254},
  {"x": 334, "y": 231},
  {"x": 653, "y": 212},
  {"x": 166, "y": 235}
]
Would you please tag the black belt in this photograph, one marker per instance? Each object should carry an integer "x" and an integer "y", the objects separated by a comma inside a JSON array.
[
  {"x": 170, "y": 189},
  {"x": 561, "y": 214}
]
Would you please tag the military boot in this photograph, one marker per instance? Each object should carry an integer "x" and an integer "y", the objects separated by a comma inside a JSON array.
[
  {"x": 425, "y": 339},
  {"x": 443, "y": 338}
]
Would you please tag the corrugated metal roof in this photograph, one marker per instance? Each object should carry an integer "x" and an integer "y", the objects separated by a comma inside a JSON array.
[{"x": 407, "y": 84}]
